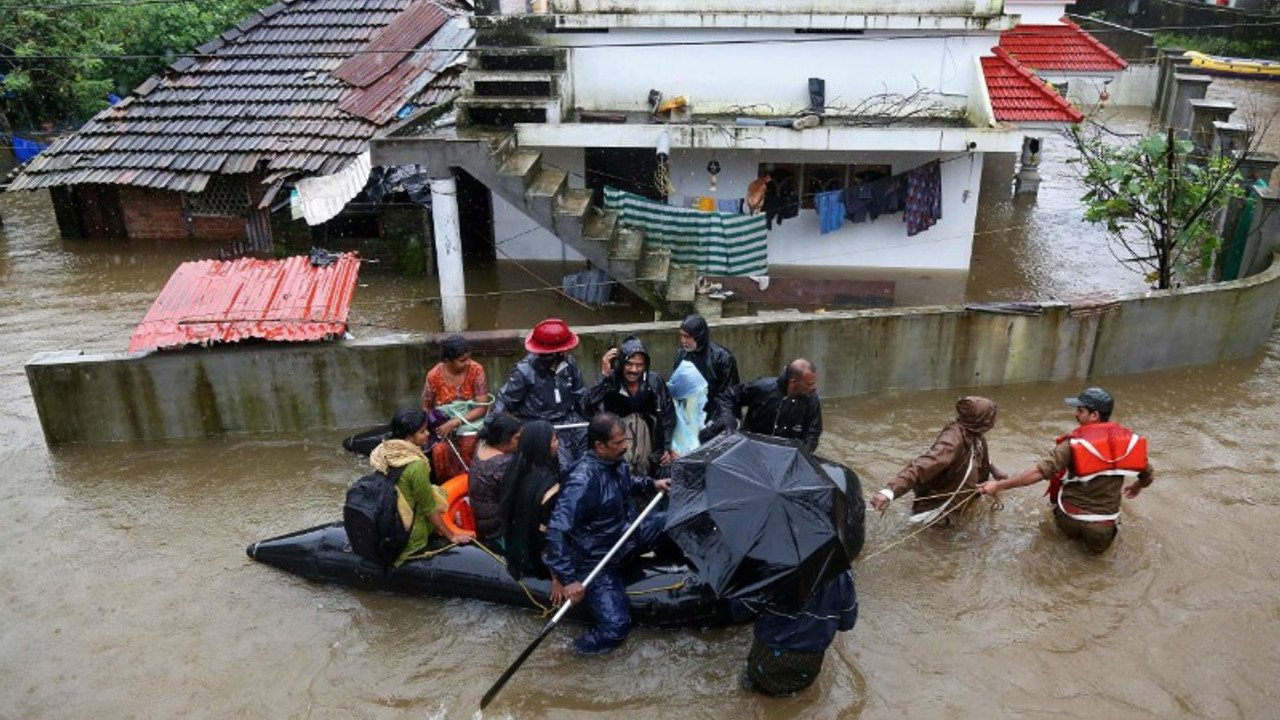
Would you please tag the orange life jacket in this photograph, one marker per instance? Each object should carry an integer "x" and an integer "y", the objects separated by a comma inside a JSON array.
[{"x": 1103, "y": 448}]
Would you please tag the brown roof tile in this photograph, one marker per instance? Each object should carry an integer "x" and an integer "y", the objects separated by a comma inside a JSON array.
[{"x": 302, "y": 85}]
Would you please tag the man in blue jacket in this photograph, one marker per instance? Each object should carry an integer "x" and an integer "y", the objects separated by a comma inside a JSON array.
[{"x": 595, "y": 508}]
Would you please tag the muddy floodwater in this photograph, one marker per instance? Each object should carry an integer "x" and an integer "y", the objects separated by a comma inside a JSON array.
[{"x": 125, "y": 591}]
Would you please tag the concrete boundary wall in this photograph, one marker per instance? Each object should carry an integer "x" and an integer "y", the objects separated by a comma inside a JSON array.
[{"x": 352, "y": 384}]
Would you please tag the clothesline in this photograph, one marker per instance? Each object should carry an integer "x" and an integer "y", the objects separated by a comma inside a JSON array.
[{"x": 716, "y": 243}]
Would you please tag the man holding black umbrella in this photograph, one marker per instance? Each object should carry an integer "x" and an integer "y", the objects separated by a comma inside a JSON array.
[
  {"x": 788, "y": 649},
  {"x": 595, "y": 507},
  {"x": 775, "y": 528}
]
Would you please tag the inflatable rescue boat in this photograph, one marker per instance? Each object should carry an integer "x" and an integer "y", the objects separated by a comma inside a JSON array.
[{"x": 1247, "y": 68}]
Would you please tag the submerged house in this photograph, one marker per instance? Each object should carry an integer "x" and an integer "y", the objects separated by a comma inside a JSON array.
[
  {"x": 668, "y": 141},
  {"x": 268, "y": 121}
]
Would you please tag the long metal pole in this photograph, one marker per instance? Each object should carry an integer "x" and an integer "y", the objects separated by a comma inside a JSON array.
[{"x": 546, "y": 630}]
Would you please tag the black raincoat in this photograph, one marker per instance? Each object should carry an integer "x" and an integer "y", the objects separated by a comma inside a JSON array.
[
  {"x": 652, "y": 400},
  {"x": 538, "y": 390},
  {"x": 770, "y": 411},
  {"x": 715, "y": 363}
]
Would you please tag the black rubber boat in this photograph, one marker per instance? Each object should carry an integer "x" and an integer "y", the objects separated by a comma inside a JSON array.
[
  {"x": 662, "y": 594},
  {"x": 364, "y": 443}
]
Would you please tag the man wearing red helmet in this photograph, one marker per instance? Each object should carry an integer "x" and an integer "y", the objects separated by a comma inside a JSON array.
[
  {"x": 1087, "y": 471},
  {"x": 547, "y": 385}
]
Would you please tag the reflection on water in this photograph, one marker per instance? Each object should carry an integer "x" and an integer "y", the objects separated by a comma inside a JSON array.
[{"x": 128, "y": 592}]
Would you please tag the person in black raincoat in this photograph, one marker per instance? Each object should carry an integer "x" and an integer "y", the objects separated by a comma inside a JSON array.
[
  {"x": 629, "y": 389},
  {"x": 547, "y": 385},
  {"x": 716, "y": 364},
  {"x": 788, "y": 648},
  {"x": 597, "y": 503},
  {"x": 786, "y": 406}
]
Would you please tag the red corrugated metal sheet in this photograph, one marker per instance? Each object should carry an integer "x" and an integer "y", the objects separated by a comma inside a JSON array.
[
  {"x": 212, "y": 301},
  {"x": 393, "y": 43},
  {"x": 1065, "y": 48},
  {"x": 1019, "y": 96}
]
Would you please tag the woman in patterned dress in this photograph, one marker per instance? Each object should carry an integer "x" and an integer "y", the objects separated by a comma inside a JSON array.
[{"x": 455, "y": 378}]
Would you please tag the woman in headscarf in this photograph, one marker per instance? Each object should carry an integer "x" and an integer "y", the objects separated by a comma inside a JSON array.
[
  {"x": 946, "y": 477},
  {"x": 529, "y": 491},
  {"x": 421, "y": 504}
]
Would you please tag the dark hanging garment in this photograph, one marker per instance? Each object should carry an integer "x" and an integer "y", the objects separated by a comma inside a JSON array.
[{"x": 924, "y": 197}]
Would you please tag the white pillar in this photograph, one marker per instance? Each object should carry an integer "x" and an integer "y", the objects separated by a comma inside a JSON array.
[{"x": 453, "y": 289}]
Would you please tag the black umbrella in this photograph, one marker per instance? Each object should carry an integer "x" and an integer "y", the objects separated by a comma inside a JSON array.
[{"x": 762, "y": 518}]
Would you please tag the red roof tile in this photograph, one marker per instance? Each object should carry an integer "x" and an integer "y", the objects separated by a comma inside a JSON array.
[
  {"x": 210, "y": 301},
  {"x": 1065, "y": 47},
  {"x": 1019, "y": 96}
]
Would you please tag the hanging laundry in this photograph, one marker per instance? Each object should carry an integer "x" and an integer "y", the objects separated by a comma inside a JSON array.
[
  {"x": 857, "y": 202},
  {"x": 780, "y": 201},
  {"x": 717, "y": 244},
  {"x": 830, "y": 207},
  {"x": 924, "y": 197}
]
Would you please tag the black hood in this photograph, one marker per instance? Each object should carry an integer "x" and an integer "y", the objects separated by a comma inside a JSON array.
[
  {"x": 630, "y": 346},
  {"x": 697, "y": 327}
]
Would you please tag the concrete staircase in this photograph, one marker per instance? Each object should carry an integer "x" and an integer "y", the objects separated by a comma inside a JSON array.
[{"x": 507, "y": 85}]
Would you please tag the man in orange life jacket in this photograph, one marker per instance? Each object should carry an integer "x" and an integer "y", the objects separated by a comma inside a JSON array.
[{"x": 1087, "y": 471}]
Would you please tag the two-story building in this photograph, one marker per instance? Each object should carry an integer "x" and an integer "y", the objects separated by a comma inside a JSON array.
[{"x": 866, "y": 125}]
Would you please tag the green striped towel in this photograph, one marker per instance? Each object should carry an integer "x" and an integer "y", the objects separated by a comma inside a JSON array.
[{"x": 716, "y": 243}]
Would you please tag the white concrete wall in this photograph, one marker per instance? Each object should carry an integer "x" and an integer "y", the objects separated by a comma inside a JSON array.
[
  {"x": 1037, "y": 12},
  {"x": 292, "y": 387},
  {"x": 732, "y": 72},
  {"x": 1135, "y": 86}
]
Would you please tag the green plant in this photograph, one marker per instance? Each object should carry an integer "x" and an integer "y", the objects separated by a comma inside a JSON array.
[
  {"x": 1158, "y": 200},
  {"x": 1219, "y": 45},
  {"x": 59, "y": 61}
]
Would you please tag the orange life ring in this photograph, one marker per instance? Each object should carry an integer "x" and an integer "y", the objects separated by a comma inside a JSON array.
[{"x": 457, "y": 516}]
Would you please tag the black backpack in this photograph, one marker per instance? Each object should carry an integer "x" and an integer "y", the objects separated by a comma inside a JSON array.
[{"x": 372, "y": 518}]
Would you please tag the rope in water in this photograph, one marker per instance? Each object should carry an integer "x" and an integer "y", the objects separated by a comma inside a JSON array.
[
  {"x": 500, "y": 560},
  {"x": 970, "y": 495}
]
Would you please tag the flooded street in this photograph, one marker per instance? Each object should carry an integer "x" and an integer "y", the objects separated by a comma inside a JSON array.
[{"x": 127, "y": 592}]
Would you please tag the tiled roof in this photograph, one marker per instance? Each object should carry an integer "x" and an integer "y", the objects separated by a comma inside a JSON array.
[
  {"x": 1019, "y": 96},
  {"x": 1065, "y": 48},
  {"x": 213, "y": 301},
  {"x": 297, "y": 89}
]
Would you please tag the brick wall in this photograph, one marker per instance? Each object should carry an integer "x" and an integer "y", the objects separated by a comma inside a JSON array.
[
  {"x": 153, "y": 214},
  {"x": 220, "y": 229}
]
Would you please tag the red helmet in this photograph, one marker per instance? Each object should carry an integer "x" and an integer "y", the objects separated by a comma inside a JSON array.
[{"x": 551, "y": 336}]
